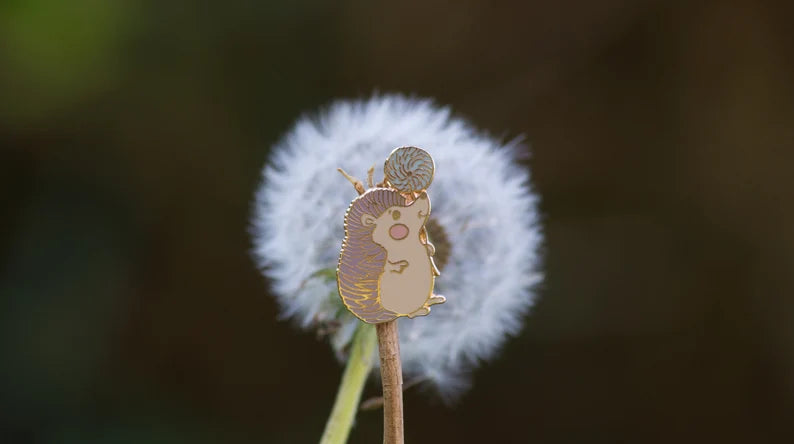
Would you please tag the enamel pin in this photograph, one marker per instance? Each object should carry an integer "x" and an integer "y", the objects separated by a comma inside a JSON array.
[{"x": 386, "y": 267}]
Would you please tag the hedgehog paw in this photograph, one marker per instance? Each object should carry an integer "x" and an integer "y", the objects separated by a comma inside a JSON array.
[
  {"x": 436, "y": 299},
  {"x": 422, "y": 311}
]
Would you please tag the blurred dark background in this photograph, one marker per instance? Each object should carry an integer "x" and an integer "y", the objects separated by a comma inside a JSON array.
[{"x": 132, "y": 135}]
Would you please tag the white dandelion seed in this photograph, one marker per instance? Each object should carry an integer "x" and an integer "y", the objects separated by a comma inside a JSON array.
[{"x": 481, "y": 200}]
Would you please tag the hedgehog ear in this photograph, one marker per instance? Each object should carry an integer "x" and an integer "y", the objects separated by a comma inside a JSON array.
[{"x": 368, "y": 220}]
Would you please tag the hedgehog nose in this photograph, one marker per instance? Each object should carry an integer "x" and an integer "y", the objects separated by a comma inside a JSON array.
[{"x": 398, "y": 231}]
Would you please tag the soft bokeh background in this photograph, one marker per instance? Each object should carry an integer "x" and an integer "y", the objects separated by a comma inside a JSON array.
[{"x": 132, "y": 135}]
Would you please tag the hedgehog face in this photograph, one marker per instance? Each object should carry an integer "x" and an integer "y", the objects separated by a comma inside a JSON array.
[{"x": 398, "y": 223}]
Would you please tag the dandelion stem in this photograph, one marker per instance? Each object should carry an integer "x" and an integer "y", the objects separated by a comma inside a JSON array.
[
  {"x": 345, "y": 407},
  {"x": 392, "y": 376}
]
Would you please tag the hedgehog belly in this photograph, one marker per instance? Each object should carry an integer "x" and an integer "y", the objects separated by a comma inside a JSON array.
[{"x": 406, "y": 292}]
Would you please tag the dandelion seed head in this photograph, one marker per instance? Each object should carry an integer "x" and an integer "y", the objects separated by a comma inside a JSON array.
[{"x": 481, "y": 197}]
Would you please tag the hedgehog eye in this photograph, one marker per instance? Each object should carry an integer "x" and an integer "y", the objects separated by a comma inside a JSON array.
[{"x": 395, "y": 215}]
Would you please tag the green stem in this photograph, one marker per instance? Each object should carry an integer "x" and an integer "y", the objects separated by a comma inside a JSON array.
[{"x": 347, "y": 398}]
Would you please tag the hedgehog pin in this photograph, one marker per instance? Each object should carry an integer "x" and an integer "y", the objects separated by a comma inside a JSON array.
[{"x": 386, "y": 267}]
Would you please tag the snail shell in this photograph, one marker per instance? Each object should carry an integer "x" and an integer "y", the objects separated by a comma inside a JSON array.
[{"x": 409, "y": 169}]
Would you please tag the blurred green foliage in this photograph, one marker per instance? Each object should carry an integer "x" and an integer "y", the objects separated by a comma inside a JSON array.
[{"x": 56, "y": 53}]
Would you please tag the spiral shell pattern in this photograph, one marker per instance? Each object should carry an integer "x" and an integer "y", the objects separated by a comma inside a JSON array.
[{"x": 409, "y": 169}]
